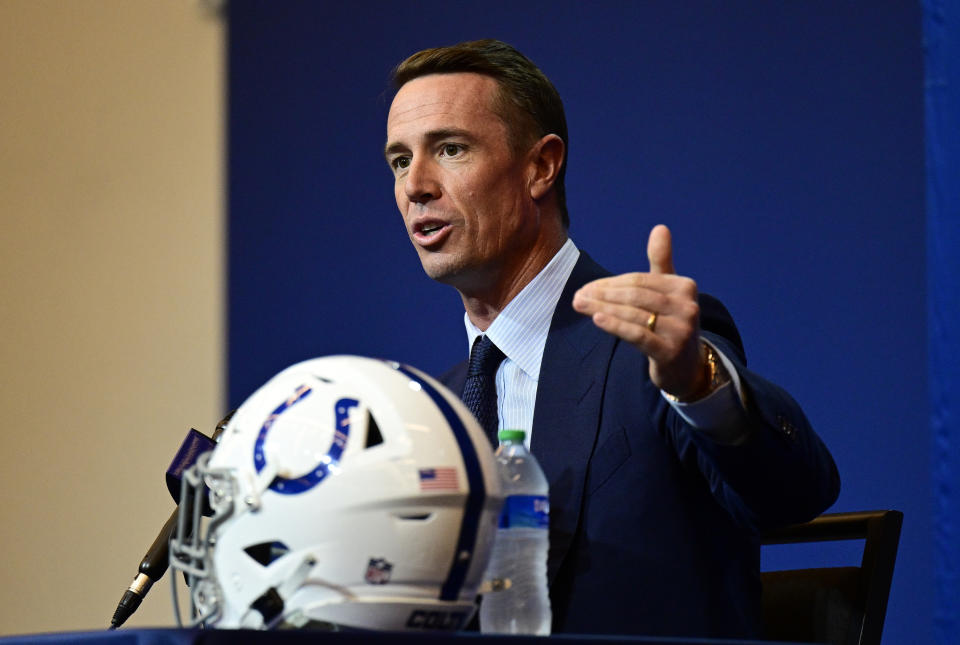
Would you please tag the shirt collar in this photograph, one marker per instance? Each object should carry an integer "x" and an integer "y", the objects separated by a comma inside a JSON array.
[{"x": 520, "y": 330}]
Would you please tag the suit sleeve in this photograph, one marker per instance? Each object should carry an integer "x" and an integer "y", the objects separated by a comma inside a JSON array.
[{"x": 782, "y": 472}]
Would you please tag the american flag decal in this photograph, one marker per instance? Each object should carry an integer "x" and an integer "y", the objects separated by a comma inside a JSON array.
[{"x": 438, "y": 479}]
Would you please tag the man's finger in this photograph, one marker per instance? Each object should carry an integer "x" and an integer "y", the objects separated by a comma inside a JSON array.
[
  {"x": 662, "y": 282},
  {"x": 637, "y": 334},
  {"x": 660, "y": 250},
  {"x": 626, "y": 313},
  {"x": 648, "y": 299}
]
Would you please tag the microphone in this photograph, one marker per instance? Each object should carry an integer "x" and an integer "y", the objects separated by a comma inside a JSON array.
[
  {"x": 152, "y": 568},
  {"x": 157, "y": 558}
]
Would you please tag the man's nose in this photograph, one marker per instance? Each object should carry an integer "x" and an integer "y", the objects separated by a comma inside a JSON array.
[{"x": 421, "y": 183}]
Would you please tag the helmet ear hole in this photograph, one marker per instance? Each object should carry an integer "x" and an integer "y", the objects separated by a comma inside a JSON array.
[
  {"x": 414, "y": 517},
  {"x": 266, "y": 553},
  {"x": 374, "y": 438}
]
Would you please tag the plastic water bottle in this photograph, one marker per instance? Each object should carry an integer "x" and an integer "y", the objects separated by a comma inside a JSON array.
[{"x": 520, "y": 548}]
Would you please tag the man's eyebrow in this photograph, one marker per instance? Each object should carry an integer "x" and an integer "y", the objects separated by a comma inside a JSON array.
[
  {"x": 393, "y": 148},
  {"x": 431, "y": 137}
]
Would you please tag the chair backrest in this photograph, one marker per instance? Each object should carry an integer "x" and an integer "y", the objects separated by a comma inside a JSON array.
[{"x": 838, "y": 605}]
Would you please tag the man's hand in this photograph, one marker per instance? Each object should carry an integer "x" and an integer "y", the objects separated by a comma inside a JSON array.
[{"x": 658, "y": 313}]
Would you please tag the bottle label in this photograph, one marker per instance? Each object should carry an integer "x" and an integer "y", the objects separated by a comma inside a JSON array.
[{"x": 525, "y": 511}]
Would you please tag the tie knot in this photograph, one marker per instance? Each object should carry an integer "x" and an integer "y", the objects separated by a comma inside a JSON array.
[{"x": 485, "y": 358}]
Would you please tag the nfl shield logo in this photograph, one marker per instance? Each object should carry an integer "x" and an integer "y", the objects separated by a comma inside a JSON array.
[{"x": 378, "y": 571}]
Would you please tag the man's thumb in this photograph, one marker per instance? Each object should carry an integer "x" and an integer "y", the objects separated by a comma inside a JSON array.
[{"x": 660, "y": 250}]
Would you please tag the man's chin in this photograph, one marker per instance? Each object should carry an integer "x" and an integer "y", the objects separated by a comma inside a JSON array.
[
  {"x": 442, "y": 272},
  {"x": 446, "y": 271}
]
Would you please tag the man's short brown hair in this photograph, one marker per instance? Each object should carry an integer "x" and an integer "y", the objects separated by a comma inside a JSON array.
[{"x": 527, "y": 101}]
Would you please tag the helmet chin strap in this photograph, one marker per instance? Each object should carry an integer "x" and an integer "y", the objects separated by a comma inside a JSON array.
[{"x": 270, "y": 604}]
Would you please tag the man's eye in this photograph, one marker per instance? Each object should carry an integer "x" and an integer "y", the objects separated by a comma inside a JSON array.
[
  {"x": 401, "y": 162},
  {"x": 452, "y": 149}
]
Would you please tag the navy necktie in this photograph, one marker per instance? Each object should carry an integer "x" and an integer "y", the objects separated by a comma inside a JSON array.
[{"x": 480, "y": 389}]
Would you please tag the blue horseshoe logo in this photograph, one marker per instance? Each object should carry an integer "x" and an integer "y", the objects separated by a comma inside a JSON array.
[{"x": 341, "y": 433}]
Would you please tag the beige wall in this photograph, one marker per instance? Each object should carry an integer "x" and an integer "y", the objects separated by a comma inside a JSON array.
[{"x": 111, "y": 291}]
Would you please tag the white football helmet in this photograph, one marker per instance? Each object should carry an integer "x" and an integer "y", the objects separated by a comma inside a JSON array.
[{"x": 346, "y": 491}]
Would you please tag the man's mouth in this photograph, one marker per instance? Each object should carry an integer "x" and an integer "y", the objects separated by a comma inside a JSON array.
[
  {"x": 430, "y": 229},
  {"x": 430, "y": 232}
]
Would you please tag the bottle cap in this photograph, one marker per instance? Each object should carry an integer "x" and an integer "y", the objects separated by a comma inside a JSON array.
[{"x": 511, "y": 435}]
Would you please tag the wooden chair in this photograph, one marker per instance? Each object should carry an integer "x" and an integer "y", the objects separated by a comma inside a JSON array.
[{"x": 838, "y": 605}]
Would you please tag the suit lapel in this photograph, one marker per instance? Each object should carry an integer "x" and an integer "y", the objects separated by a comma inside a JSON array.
[
  {"x": 455, "y": 378},
  {"x": 566, "y": 417}
]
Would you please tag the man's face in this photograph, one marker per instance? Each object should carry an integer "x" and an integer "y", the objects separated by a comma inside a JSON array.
[{"x": 463, "y": 193}]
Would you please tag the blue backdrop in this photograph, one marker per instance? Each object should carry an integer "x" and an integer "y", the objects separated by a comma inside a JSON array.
[
  {"x": 942, "y": 45},
  {"x": 782, "y": 142}
]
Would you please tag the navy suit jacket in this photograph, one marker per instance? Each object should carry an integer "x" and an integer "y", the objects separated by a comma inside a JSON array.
[{"x": 653, "y": 526}]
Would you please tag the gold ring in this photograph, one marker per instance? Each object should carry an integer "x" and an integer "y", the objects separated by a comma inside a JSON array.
[{"x": 651, "y": 321}]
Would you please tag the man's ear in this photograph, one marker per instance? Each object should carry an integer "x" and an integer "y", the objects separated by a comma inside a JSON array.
[{"x": 546, "y": 159}]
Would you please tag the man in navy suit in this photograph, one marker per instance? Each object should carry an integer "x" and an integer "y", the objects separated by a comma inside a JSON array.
[{"x": 665, "y": 455}]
